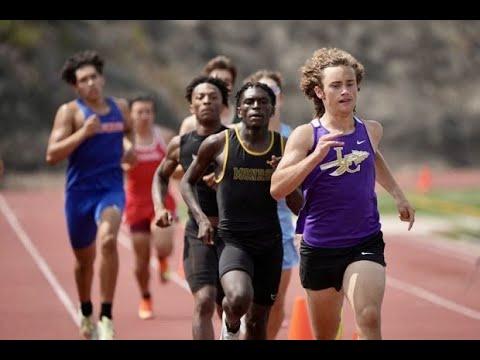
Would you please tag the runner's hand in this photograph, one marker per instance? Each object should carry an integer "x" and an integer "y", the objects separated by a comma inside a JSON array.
[
  {"x": 274, "y": 161},
  {"x": 210, "y": 180},
  {"x": 91, "y": 126},
  {"x": 326, "y": 142},
  {"x": 163, "y": 218},
  {"x": 206, "y": 232},
  {"x": 406, "y": 212}
]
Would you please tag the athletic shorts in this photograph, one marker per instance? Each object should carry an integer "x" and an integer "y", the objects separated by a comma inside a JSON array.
[
  {"x": 200, "y": 263},
  {"x": 83, "y": 211},
  {"x": 263, "y": 266},
  {"x": 323, "y": 268},
  {"x": 141, "y": 226},
  {"x": 139, "y": 214}
]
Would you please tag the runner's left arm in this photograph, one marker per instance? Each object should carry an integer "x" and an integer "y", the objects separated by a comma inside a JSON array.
[{"x": 385, "y": 177}]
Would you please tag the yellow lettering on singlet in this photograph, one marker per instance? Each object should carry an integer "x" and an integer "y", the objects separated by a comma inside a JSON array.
[{"x": 252, "y": 174}]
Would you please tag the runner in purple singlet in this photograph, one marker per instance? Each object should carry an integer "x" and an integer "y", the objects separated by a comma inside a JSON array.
[{"x": 336, "y": 160}]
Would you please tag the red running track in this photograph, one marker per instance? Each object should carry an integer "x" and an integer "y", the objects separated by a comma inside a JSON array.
[{"x": 433, "y": 291}]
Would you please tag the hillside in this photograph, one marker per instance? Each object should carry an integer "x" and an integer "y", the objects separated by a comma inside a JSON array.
[{"x": 421, "y": 76}]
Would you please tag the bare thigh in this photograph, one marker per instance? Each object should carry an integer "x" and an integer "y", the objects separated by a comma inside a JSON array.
[
  {"x": 325, "y": 307},
  {"x": 364, "y": 284},
  {"x": 109, "y": 223}
]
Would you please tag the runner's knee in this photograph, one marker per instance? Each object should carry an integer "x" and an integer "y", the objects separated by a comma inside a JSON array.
[
  {"x": 205, "y": 304},
  {"x": 239, "y": 301},
  {"x": 368, "y": 317},
  {"x": 108, "y": 243}
]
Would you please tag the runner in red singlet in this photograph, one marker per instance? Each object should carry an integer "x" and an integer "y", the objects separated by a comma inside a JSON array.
[{"x": 150, "y": 149}]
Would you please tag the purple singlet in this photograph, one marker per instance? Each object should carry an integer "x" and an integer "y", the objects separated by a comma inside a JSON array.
[{"x": 340, "y": 206}]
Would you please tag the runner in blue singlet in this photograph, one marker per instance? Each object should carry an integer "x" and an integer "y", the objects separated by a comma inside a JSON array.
[{"x": 90, "y": 132}]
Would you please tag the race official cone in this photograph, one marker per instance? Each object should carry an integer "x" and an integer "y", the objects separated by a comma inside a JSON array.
[
  {"x": 300, "y": 328},
  {"x": 300, "y": 323},
  {"x": 424, "y": 181}
]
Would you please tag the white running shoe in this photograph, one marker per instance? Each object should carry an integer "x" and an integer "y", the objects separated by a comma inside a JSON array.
[
  {"x": 243, "y": 325},
  {"x": 88, "y": 330},
  {"x": 225, "y": 334},
  {"x": 105, "y": 329}
]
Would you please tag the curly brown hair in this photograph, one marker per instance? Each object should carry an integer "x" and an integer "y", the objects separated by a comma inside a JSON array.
[
  {"x": 312, "y": 72},
  {"x": 221, "y": 62}
]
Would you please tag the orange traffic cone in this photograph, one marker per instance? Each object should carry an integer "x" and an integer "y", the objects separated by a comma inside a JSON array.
[
  {"x": 300, "y": 323},
  {"x": 424, "y": 181},
  {"x": 300, "y": 328}
]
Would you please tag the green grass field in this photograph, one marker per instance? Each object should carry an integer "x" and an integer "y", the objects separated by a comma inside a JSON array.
[
  {"x": 450, "y": 205},
  {"x": 439, "y": 203},
  {"x": 445, "y": 204}
]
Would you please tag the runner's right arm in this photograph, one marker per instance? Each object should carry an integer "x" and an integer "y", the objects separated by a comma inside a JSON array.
[
  {"x": 64, "y": 139},
  {"x": 210, "y": 148},
  {"x": 295, "y": 164},
  {"x": 161, "y": 179}
]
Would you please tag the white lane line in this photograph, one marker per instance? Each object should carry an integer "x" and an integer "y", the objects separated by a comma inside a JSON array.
[
  {"x": 177, "y": 279},
  {"x": 39, "y": 260},
  {"x": 433, "y": 298},
  {"x": 68, "y": 303},
  {"x": 468, "y": 255},
  {"x": 395, "y": 283}
]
